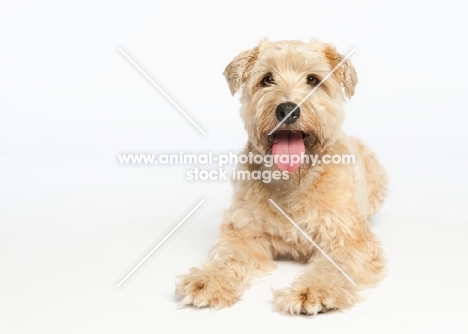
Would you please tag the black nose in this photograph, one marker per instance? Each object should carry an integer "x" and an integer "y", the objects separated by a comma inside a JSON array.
[{"x": 283, "y": 109}]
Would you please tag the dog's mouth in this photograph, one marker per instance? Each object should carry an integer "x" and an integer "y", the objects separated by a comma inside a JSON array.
[{"x": 288, "y": 149}]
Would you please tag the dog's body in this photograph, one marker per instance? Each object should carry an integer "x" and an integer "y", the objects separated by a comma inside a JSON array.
[{"x": 329, "y": 202}]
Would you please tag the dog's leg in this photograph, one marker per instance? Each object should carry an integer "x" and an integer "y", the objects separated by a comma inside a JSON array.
[
  {"x": 376, "y": 177},
  {"x": 239, "y": 255},
  {"x": 323, "y": 287}
]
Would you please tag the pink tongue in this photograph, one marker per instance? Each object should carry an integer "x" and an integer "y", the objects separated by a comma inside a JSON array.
[{"x": 288, "y": 149}]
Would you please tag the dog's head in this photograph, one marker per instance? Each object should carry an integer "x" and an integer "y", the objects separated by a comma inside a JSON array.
[{"x": 278, "y": 78}]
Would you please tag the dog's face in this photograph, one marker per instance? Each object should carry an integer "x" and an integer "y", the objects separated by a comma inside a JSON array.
[{"x": 275, "y": 78}]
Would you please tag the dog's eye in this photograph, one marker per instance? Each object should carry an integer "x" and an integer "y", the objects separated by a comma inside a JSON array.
[
  {"x": 312, "y": 80},
  {"x": 268, "y": 80}
]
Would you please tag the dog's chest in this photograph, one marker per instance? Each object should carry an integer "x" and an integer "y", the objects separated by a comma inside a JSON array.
[{"x": 293, "y": 226}]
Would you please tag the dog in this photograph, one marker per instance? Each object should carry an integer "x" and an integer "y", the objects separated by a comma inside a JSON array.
[{"x": 330, "y": 203}]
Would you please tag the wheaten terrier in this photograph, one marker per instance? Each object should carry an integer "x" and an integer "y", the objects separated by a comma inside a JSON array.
[{"x": 331, "y": 203}]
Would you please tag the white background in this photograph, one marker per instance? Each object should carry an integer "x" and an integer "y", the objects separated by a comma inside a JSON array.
[{"x": 73, "y": 222}]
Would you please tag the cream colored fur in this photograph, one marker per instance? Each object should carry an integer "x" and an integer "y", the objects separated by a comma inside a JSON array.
[{"x": 331, "y": 203}]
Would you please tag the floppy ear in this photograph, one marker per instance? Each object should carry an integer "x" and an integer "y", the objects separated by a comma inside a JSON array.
[
  {"x": 346, "y": 73},
  {"x": 237, "y": 71}
]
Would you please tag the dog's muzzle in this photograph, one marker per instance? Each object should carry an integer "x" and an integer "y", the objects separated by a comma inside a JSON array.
[{"x": 283, "y": 109}]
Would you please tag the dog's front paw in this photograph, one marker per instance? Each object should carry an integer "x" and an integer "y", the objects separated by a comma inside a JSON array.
[
  {"x": 312, "y": 300},
  {"x": 202, "y": 288}
]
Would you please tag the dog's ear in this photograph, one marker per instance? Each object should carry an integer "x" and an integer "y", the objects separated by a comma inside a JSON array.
[
  {"x": 238, "y": 69},
  {"x": 346, "y": 73}
]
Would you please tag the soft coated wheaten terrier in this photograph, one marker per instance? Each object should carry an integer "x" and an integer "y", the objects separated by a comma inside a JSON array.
[{"x": 330, "y": 202}]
